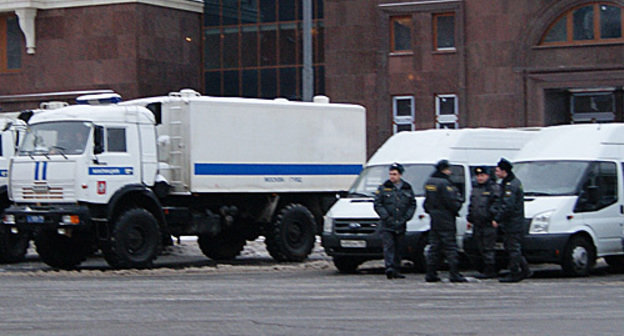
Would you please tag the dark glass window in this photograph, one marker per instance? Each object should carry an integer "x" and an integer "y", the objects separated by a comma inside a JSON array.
[
  {"x": 404, "y": 107},
  {"x": 319, "y": 43},
  {"x": 558, "y": 32},
  {"x": 447, "y": 105},
  {"x": 211, "y": 13},
  {"x": 287, "y": 44},
  {"x": 230, "y": 84},
  {"x": 230, "y": 12},
  {"x": 610, "y": 22},
  {"x": 213, "y": 83},
  {"x": 249, "y": 49},
  {"x": 249, "y": 11},
  {"x": 230, "y": 47},
  {"x": 401, "y": 33},
  {"x": 583, "y": 23},
  {"x": 267, "y": 11},
  {"x": 14, "y": 44},
  {"x": 116, "y": 139},
  {"x": 445, "y": 31},
  {"x": 288, "y": 83},
  {"x": 287, "y": 10},
  {"x": 319, "y": 80},
  {"x": 268, "y": 83},
  {"x": 212, "y": 49},
  {"x": 318, "y": 9},
  {"x": 250, "y": 83},
  {"x": 268, "y": 45}
]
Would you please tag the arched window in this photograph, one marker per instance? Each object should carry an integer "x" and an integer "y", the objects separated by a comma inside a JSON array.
[{"x": 599, "y": 22}]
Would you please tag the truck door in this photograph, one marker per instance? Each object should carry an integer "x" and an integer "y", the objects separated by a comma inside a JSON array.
[{"x": 599, "y": 201}]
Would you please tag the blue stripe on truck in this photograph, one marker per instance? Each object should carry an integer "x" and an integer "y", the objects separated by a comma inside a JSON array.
[{"x": 276, "y": 169}]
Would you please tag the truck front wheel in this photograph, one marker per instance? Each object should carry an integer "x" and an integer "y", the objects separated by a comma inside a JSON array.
[
  {"x": 135, "y": 241},
  {"x": 224, "y": 246},
  {"x": 292, "y": 235},
  {"x": 60, "y": 251},
  {"x": 13, "y": 246}
]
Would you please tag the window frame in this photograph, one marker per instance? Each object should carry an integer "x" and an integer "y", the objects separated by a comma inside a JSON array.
[
  {"x": 600, "y": 116},
  {"x": 402, "y": 120},
  {"x": 393, "y": 49},
  {"x": 569, "y": 17},
  {"x": 443, "y": 119},
  {"x": 435, "y": 18}
]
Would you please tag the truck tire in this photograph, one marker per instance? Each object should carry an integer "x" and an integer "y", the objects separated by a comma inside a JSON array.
[
  {"x": 135, "y": 241},
  {"x": 347, "y": 265},
  {"x": 224, "y": 246},
  {"x": 579, "y": 257},
  {"x": 292, "y": 235},
  {"x": 13, "y": 246},
  {"x": 60, "y": 251}
]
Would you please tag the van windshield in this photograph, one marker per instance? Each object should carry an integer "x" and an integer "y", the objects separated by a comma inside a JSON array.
[
  {"x": 63, "y": 138},
  {"x": 550, "y": 178},
  {"x": 371, "y": 177}
]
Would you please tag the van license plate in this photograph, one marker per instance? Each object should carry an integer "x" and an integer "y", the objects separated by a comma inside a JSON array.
[
  {"x": 35, "y": 219},
  {"x": 353, "y": 243}
]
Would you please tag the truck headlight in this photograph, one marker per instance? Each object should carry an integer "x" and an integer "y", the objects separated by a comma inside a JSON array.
[
  {"x": 9, "y": 219},
  {"x": 540, "y": 222},
  {"x": 70, "y": 219},
  {"x": 328, "y": 224}
]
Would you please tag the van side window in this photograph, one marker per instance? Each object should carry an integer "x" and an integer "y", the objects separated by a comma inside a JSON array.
[
  {"x": 458, "y": 178},
  {"x": 116, "y": 140},
  {"x": 600, "y": 188}
]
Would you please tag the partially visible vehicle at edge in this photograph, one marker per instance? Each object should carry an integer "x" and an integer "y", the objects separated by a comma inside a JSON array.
[
  {"x": 125, "y": 177},
  {"x": 351, "y": 232},
  {"x": 574, "y": 197}
]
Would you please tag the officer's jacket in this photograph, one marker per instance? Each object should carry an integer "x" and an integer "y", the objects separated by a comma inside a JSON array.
[
  {"x": 442, "y": 202},
  {"x": 510, "y": 212},
  {"x": 394, "y": 207},
  {"x": 483, "y": 202}
]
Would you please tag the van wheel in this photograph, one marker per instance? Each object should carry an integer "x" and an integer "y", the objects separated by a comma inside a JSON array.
[
  {"x": 292, "y": 235},
  {"x": 224, "y": 246},
  {"x": 616, "y": 263},
  {"x": 60, "y": 251},
  {"x": 347, "y": 265},
  {"x": 135, "y": 241},
  {"x": 579, "y": 257},
  {"x": 13, "y": 246}
]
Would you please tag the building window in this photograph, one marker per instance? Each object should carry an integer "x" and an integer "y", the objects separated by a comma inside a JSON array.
[
  {"x": 403, "y": 113},
  {"x": 446, "y": 111},
  {"x": 10, "y": 44},
  {"x": 253, "y": 48},
  {"x": 588, "y": 23},
  {"x": 400, "y": 33},
  {"x": 594, "y": 106},
  {"x": 444, "y": 32}
]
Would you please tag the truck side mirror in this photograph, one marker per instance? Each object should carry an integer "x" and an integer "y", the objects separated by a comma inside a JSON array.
[{"x": 98, "y": 140}]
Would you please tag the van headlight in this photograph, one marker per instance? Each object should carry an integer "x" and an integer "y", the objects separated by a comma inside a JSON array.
[
  {"x": 328, "y": 224},
  {"x": 540, "y": 222}
]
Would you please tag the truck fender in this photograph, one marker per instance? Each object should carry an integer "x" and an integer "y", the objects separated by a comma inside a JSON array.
[{"x": 141, "y": 196}]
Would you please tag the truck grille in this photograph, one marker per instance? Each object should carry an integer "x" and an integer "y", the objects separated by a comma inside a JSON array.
[
  {"x": 41, "y": 191},
  {"x": 355, "y": 226}
]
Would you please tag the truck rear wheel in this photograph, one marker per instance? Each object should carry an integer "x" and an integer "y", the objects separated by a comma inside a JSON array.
[
  {"x": 292, "y": 235},
  {"x": 59, "y": 251},
  {"x": 135, "y": 240},
  {"x": 224, "y": 246},
  {"x": 13, "y": 246}
]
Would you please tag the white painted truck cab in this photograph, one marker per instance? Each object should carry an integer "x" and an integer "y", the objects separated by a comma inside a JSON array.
[
  {"x": 351, "y": 234},
  {"x": 125, "y": 177},
  {"x": 574, "y": 195}
]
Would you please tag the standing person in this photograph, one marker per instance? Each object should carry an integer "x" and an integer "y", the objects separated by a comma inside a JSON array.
[
  {"x": 442, "y": 203},
  {"x": 395, "y": 204},
  {"x": 510, "y": 216},
  {"x": 481, "y": 211}
]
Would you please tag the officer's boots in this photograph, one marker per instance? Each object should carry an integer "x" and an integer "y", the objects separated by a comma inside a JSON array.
[
  {"x": 432, "y": 275},
  {"x": 489, "y": 272},
  {"x": 454, "y": 275},
  {"x": 515, "y": 275}
]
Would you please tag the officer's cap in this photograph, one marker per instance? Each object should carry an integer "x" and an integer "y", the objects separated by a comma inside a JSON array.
[
  {"x": 482, "y": 170},
  {"x": 398, "y": 167},
  {"x": 442, "y": 164}
]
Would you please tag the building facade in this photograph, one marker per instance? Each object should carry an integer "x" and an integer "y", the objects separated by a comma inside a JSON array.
[
  {"x": 475, "y": 63},
  {"x": 136, "y": 48}
]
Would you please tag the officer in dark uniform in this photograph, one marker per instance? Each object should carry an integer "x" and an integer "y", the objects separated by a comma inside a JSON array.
[
  {"x": 481, "y": 211},
  {"x": 395, "y": 204},
  {"x": 510, "y": 216},
  {"x": 442, "y": 203}
]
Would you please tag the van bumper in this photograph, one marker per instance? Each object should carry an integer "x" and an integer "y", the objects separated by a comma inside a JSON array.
[
  {"x": 542, "y": 248},
  {"x": 370, "y": 248}
]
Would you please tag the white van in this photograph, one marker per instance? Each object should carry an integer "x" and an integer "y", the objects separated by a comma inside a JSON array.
[
  {"x": 574, "y": 195},
  {"x": 350, "y": 231}
]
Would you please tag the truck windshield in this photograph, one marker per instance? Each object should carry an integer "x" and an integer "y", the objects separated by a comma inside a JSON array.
[
  {"x": 62, "y": 138},
  {"x": 550, "y": 178},
  {"x": 371, "y": 177}
]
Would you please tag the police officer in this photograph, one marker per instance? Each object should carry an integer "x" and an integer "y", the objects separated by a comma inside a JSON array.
[
  {"x": 510, "y": 216},
  {"x": 395, "y": 204},
  {"x": 442, "y": 203},
  {"x": 481, "y": 211}
]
